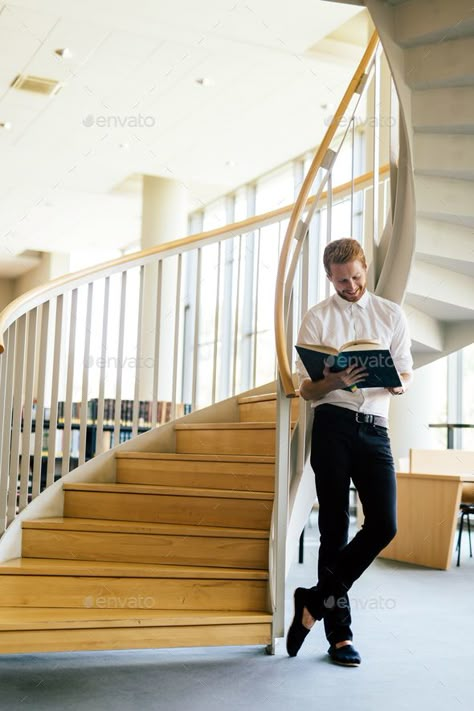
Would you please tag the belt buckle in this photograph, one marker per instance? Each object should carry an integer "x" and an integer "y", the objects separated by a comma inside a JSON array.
[{"x": 363, "y": 418}]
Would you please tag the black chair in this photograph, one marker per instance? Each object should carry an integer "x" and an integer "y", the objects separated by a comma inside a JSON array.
[{"x": 466, "y": 510}]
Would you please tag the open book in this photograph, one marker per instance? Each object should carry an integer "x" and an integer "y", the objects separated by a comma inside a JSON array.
[{"x": 369, "y": 354}]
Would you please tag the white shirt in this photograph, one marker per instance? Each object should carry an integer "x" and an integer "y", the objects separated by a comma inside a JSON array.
[{"x": 335, "y": 321}]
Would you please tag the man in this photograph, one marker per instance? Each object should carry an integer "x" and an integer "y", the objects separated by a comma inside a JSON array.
[{"x": 349, "y": 440}]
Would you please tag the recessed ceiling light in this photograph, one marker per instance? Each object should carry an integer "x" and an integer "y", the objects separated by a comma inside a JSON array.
[
  {"x": 6, "y": 125},
  {"x": 205, "y": 81},
  {"x": 63, "y": 52}
]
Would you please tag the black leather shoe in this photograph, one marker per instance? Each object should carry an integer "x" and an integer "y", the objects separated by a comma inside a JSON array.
[
  {"x": 297, "y": 631},
  {"x": 346, "y": 656}
]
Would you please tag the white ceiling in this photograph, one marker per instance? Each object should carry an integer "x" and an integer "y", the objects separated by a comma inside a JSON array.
[{"x": 66, "y": 184}]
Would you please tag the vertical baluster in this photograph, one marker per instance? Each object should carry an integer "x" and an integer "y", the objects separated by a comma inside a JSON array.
[
  {"x": 248, "y": 301},
  {"x": 8, "y": 361},
  {"x": 176, "y": 337},
  {"x": 16, "y": 418},
  {"x": 139, "y": 365},
  {"x": 53, "y": 415},
  {"x": 315, "y": 257},
  {"x": 226, "y": 320},
  {"x": 39, "y": 421},
  {"x": 69, "y": 386},
  {"x": 197, "y": 307},
  {"x": 237, "y": 320},
  {"x": 118, "y": 385},
  {"x": 352, "y": 176},
  {"x": 329, "y": 221},
  {"x": 28, "y": 409},
  {"x": 85, "y": 377},
  {"x": 329, "y": 205},
  {"x": 255, "y": 316},
  {"x": 103, "y": 354},
  {"x": 156, "y": 352},
  {"x": 304, "y": 293},
  {"x": 216, "y": 323},
  {"x": 280, "y": 509},
  {"x": 376, "y": 157}
]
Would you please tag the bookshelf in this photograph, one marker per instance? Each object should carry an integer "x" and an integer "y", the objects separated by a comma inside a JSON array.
[{"x": 106, "y": 431}]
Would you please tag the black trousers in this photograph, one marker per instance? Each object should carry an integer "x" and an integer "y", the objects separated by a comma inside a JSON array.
[{"x": 343, "y": 449}]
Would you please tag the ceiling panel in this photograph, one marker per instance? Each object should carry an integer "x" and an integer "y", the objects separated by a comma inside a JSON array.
[{"x": 65, "y": 155}]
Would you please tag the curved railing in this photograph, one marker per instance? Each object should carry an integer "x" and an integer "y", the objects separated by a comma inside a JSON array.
[
  {"x": 108, "y": 352},
  {"x": 321, "y": 166}
]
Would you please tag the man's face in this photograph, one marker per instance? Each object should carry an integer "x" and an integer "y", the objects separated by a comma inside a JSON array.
[{"x": 349, "y": 280}]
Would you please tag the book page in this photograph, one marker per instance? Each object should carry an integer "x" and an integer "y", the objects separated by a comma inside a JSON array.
[
  {"x": 319, "y": 348},
  {"x": 361, "y": 345}
]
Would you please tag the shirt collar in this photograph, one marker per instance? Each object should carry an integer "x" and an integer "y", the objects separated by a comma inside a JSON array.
[{"x": 345, "y": 305}]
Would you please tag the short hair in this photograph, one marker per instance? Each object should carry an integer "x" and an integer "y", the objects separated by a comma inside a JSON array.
[{"x": 341, "y": 251}]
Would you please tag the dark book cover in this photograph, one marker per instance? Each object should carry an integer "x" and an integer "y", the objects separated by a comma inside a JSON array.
[{"x": 377, "y": 362}]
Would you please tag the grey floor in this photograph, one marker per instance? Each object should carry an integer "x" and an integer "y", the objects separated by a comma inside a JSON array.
[{"x": 414, "y": 628}]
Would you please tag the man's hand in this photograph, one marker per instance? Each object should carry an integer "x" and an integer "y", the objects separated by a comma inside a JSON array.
[
  {"x": 406, "y": 379},
  {"x": 347, "y": 378},
  {"x": 316, "y": 390}
]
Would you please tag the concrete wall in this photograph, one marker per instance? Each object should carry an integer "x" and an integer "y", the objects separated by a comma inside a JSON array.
[
  {"x": 52, "y": 265},
  {"x": 6, "y": 292}
]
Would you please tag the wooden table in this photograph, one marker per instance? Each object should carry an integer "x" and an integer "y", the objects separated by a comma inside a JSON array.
[{"x": 428, "y": 506}]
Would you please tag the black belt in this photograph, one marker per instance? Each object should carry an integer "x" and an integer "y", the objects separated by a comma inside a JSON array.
[{"x": 360, "y": 417}]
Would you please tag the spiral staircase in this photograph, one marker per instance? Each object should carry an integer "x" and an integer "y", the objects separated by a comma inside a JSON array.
[
  {"x": 429, "y": 45},
  {"x": 179, "y": 537}
]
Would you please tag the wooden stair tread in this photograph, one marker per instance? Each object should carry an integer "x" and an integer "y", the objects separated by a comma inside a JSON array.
[
  {"x": 172, "y": 456},
  {"x": 250, "y": 399},
  {"x": 170, "y": 491},
  {"x": 143, "y": 527},
  {"x": 227, "y": 426},
  {"x": 41, "y": 618},
  {"x": 266, "y": 397},
  {"x": 92, "y": 568}
]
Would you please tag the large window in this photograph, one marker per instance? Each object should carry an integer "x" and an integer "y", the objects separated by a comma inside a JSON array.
[{"x": 467, "y": 389}]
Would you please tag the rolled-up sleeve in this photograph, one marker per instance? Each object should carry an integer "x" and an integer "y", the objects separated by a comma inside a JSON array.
[
  {"x": 400, "y": 347},
  {"x": 310, "y": 333}
]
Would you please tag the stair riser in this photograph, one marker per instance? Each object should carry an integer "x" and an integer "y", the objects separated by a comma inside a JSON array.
[
  {"x": 264, "y": 411},
  {"x": 133, "y": 638},
  {"x": 209, "y": 475},
  {"x": 449, "y": 156},
  {"x": 442, "y": 196},
  {"x": 146, "y": 548},
  {"x": 132, "y": 593},
  {"x": 433, "y": 21},
  {"x": 245, "y": 442},
  {"x": 192, "y": 510},
  {"x": 446, "y": 110},
  {"x": 440, "y": 64}
]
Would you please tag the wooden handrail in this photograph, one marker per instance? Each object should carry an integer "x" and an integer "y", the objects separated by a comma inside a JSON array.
[
  {"x": 39, "y": 294},
  {"x": 299, "y": 207}
]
